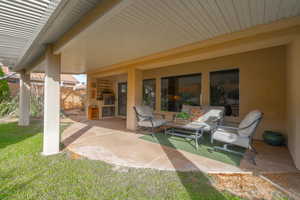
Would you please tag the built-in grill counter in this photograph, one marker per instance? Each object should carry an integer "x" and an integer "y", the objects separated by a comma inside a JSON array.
[{"x": 105, "y": 98}]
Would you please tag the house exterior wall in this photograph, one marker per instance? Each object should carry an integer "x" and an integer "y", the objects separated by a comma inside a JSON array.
[
  {"x": 293, "y": 100},
  {"x": 262, "y": 83}
]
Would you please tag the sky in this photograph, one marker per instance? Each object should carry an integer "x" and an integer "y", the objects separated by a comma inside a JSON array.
[{"x": 81, "y": 78}]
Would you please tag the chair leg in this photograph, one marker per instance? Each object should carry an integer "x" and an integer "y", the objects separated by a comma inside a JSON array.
[
  {"x": 225, "y": 148},
  {"x": 253, "y": 160},
  {"x": 253, "y": 149},
  {"x": 152, "y": 131}
]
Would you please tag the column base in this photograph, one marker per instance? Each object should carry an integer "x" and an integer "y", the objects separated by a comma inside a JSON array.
[{"x": 50, "y": 153}]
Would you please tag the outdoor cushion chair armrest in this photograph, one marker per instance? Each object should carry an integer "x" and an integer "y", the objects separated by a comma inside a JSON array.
[
  {"x": 228, "y": 127},
  {"x": 237, "y": 128},
  {"x": 146, "y": 118},
  {"x": 231, "y": 124},
  {"x": 217, "y": 121},
  {"x": 258, "y": 119}
]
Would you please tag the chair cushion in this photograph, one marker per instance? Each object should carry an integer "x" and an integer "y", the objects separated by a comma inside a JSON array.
[
  {"x": 156, "y": 123},
  {"x": 196, "y": 113},
  {"x": 210, "y": 114},
  {"x": 144, "y": 111},
  {"x": 249, "y": 119},
  {"x": 230, "y": 137},
  {"x": 208, "y": 126}
]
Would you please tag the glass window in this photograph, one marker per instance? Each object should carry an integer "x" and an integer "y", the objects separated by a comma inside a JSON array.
[
  {"x": 149, "y": 93},
  {"x": 179, "y": 90},
  {"x": 224, "y": 91}
]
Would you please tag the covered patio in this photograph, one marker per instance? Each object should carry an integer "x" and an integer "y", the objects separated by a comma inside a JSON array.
[
  {"x": 108, "y": 140},
  {"x": 186, "y": 51}
]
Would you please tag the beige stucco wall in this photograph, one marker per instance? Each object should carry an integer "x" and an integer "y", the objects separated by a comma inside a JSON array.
[
  {"x": 262, "y": 82},
  {"x": 293, "y": 100},
  {"x": 269, "y": 79}
]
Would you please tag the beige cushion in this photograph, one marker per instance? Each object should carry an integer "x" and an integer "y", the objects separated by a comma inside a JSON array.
[
  {"x": 230, "y": 137},
  {"x": 196, "y": 113},
  {"x": 208, "y": 117},
  {"x": 249, "y": 119},
  {"x": 208, "y": 126},
  {"x": 144, "y": 111},
  {"x": 210, "y": 114}
]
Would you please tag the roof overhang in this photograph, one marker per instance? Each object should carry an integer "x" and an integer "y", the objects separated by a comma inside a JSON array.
[
  {"x": 66, "y": 14},
  {"x": 20, "y": 22},
  {"x": 116, "y": 33}
]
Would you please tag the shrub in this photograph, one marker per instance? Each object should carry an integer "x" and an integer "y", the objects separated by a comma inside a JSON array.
[
  {"x": 9, "y": 107},
  {"x": 4, "y": 89},
  {"x": 183, "y": 115},
  {"x": 36, "y": 104}
]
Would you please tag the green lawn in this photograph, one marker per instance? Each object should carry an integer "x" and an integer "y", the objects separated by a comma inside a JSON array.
[{"x": 25, "y": 174}]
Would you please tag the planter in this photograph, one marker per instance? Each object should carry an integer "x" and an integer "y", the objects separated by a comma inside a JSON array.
[{"x": 273, "y": 138}]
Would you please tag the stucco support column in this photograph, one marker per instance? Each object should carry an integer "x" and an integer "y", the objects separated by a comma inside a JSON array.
[
  {"x": 24, "y": 104},
  {"x": 134, "y": 96},
  {"x": 51, "y": 104},
  {"x": 293, "y": 100}
]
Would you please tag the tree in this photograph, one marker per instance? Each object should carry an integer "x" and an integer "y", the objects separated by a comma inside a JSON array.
[{"x": 4, "y": 89}]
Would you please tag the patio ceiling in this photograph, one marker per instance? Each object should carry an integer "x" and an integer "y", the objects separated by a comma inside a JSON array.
[
  {"x": 20, "y": 22},
  {"x": 26, "y": 26},
  {"x": 133, "y": 28}
]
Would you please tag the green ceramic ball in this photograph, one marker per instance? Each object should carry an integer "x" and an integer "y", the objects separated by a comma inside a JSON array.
[{"x": 273, "y": 138}]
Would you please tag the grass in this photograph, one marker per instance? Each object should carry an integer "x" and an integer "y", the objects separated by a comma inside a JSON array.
[
  {"x": 205, "y": 147},
  {"x": 25, "y": 174}
]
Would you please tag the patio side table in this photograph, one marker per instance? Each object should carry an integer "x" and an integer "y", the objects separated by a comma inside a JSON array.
[{"x": 190, "y": 130}]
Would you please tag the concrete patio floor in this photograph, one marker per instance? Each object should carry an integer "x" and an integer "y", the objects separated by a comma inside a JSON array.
[{"x": 109, "y": 141}]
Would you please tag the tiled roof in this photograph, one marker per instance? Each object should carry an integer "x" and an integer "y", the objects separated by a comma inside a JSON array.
[{"x": 66, "y": 78}]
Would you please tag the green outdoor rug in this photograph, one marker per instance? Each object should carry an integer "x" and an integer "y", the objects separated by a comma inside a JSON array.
[{"x": 205, "y": 147}]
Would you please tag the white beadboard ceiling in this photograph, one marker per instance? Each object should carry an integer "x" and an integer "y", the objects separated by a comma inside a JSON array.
[
  {"x": 26, "y": 26},
  {"x": 136, "y": 28},
  {"x": 20, "y": 22}
]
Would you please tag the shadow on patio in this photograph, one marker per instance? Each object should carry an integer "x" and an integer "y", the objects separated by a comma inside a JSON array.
[{"x": 109, "y": 141}]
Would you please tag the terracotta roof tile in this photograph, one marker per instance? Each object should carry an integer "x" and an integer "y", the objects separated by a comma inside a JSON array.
[{"x": 40, "y": 76}]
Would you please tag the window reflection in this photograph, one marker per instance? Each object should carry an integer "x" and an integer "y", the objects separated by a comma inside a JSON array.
[
  {"x": 149, "y": 93},
  {"x": 179, "y": 90},
  {"x": 224, "y": 90}
]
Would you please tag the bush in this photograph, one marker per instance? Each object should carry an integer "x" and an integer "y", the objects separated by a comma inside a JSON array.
[
  {"x": 4, "y": 89},
  {"x": 9, "y": 107},
  {"x": 183, "y": 115},
  {"x": 36, "y": 104}
]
